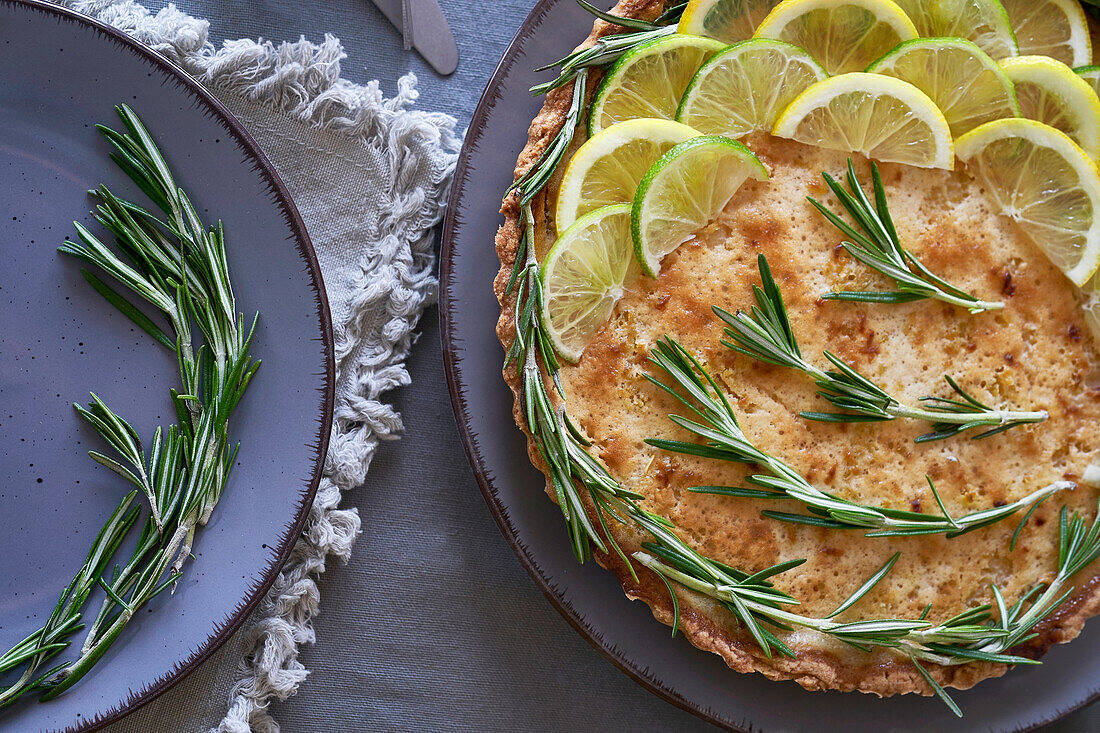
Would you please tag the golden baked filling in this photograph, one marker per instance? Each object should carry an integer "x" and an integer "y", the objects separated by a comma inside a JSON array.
[{"x": 602, "y": 437}]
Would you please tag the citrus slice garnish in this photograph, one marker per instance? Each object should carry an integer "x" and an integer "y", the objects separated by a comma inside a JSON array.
[
  {"x": 583, "y": 275},
  {"x": 1044, "y": 181},
  {"x": 649, "y": 80},
  {"x": 1090, "y": 306},
  {"x": 1055, "y": 28},
  {"x": 966, "y": 84},
  {"x": 1091, "y": 75},
  {"x": 879, "y": 116},
  {"x": 1049, "y": 91},
  {"x": 744, "y": 88},
  {"x": 685, "y": 190},
  {"x": 607, "y": 168},
  {"x": 984, "y": 22},
  {"x": 843, "y": 35},
  {"x": 728, "y": 21}
]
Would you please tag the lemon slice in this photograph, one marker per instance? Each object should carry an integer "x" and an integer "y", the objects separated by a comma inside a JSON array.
[
  {"x": 583, "y": 275},
  {"x": 984, "y": 22},
  {"x": 1055, "y": 28},
  {"x": 744, "y": 88},
  {"x": 879, "y": 116},
  {"x": 649, "y": 80},
  {"x": 607, "y": 168},
  {"x": 684, "y": 190},
  {"x": 728, "y": 21},
  {"x": 843, "y": 35},
  {"x": 966, "y": 84},
  {"x": 1049, "y": 91},
  {"x": 1040, "y": 178},
  {"x": 1090, "y": 306},
  {"x": 1091, "y": 75}
]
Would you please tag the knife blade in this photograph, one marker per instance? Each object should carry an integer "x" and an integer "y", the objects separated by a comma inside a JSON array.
[
  {"x": 406, "y": 26},
  {"x": 426, "y": 30}
]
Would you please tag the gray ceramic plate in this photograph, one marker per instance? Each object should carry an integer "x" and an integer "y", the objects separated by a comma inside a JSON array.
[
  {"x": 59, "y": 340},
  {"x": 590, "y": 598}
]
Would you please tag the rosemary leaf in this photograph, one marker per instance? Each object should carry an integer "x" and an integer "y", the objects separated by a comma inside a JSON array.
[
  {"x": 127, "y": 309},
  {"x": 936, "y": 687}
]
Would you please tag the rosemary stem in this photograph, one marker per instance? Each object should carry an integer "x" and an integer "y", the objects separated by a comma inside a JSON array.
[
  {"x": 898, "y": 410},
  {"x": 74, "y": 671},
  {"x": 1038, "y": 610},
  {"x": 991, "y": 417},
  {"x": 984, "y": 633},
  {"x": 11, "y": 693},
  {"x": 188, "y": 528},
  {"x": 93, "y": 638},
  {"x": 714, "y": 421},
  {"x": 974, "y": 306}
]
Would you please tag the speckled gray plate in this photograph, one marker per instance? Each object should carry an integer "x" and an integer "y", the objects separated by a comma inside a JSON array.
[
  {"x": 588, "y": 597},
  {"x": 59, "y": 340}
]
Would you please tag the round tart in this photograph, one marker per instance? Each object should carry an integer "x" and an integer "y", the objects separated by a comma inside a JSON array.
[{"x": 1035, "y": 352}]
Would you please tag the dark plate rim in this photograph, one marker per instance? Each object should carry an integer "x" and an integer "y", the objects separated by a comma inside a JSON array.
[
  {"x": 290, "y": 213},
  {"x": 452, "y": 368}
]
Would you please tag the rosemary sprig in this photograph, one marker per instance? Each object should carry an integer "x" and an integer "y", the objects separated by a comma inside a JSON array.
[
  {"x": 178, "y": 265},
  {"x": 608, "y": 49},
  {"x": 765, "y": 334},
  {"x": 985, "y": 633},
  {"x": 714, "y": 420},
  {"x": 573, "y": 472},
  {"x": 53, "y": 636},
  {"x": 876, "y": 245}
]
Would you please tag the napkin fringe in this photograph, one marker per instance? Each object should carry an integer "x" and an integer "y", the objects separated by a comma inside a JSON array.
[
  {"x": 395, "y": 279},
  {"x": 299, "y": 77}
]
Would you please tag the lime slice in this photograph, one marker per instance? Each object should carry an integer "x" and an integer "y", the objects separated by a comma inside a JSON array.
[
  {"x": 879, "y": 116},
  {"x": 683, "y": 191},
  {"x": 966, "y": 84},
  {"x": 844, "y": 35},
  {"x": 984, "y": 22},
  {"x": 649, "y": 80},
  {"x": 607, "y": 168},
  {"x": 1049, "y": 91},
  {"x": 1091, "y": 75},
  {"x": 744, "y": 88},
  {"x": 1055, "y": 28},
  {"x": 1040, "y": 178},
  {"x": 728, "y": 21},
  {"x": 583, "y": 275}
]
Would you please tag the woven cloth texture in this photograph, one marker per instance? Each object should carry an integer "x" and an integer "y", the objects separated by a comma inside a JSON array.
[{"x": 370, "y": 177}]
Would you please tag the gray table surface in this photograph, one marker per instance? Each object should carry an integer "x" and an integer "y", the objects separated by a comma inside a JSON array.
[{"x": 433, "y": 624}]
